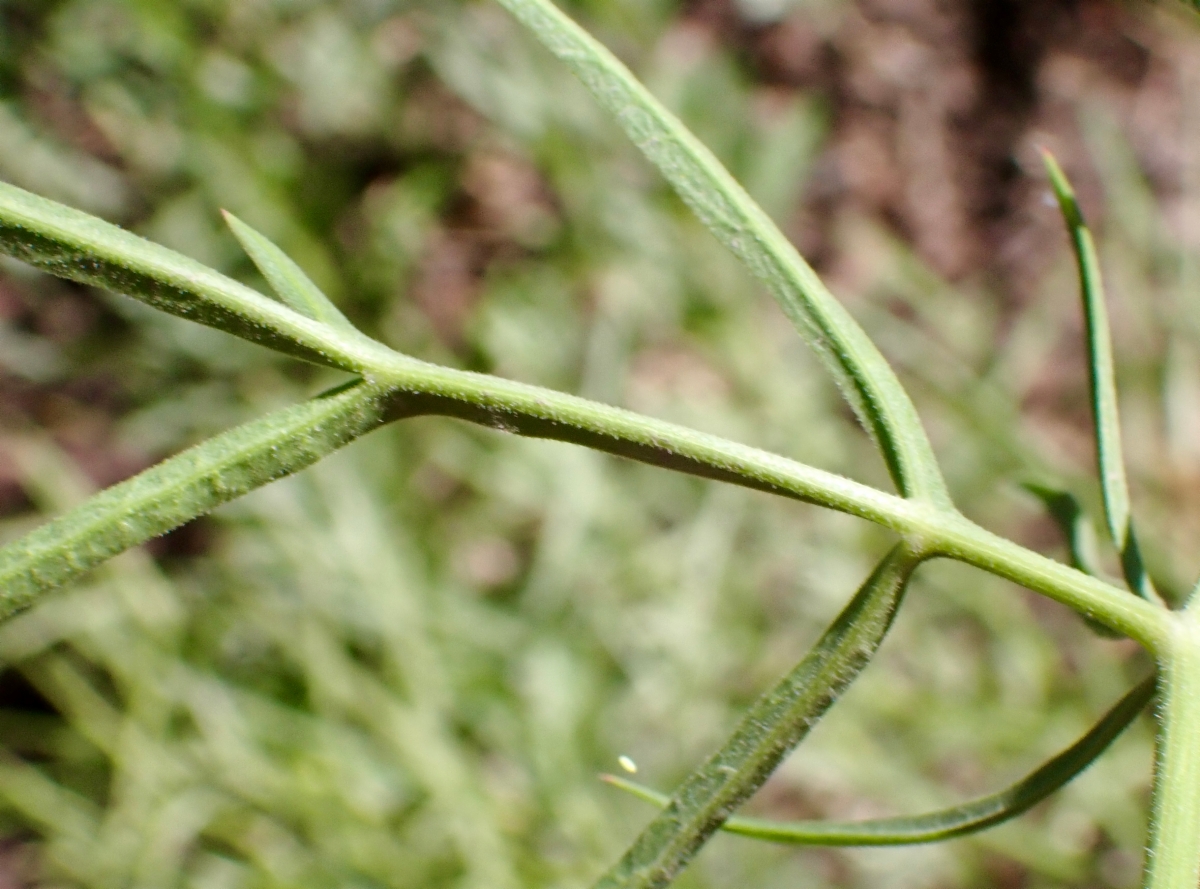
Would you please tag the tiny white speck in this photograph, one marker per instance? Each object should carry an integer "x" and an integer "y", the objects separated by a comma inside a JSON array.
[
  {"x": 627, "y": 764},
  {"x": 1048, "y": 198}
]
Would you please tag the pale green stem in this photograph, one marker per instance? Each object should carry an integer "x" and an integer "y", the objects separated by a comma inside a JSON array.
[
  {"x": 1173, "y": 855},
  {"x": 403, "y": 386},
  {"x": 542, "y": 413}
]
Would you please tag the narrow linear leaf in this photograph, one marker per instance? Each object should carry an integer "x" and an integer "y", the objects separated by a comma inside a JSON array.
[
  {"x": 1113, "y": 484},
  {"x": 75, "y": 245},
  {"x": 874, "y": 392},
  {"x": 186, "y": 486},
  {"x": 1077, "y": 529},
  {"x": 945, "y": 824},
  {"x": 286, "y": 278},
  {"x": 771, "y": 729}
]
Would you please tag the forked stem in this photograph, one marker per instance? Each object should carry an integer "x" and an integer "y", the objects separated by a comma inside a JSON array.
[{"x": 1173, "y": 851}]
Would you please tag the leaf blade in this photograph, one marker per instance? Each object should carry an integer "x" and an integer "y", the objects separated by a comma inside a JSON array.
[
  {"x": 866, "y": 379},
  {"x": 770, "y": 729},
  {"x": 944, "y": 824},
  {"x": 1114, "y": 485},
  {"x": 286, "y": 278},
  {"x": 185, "y": 486},
  {"x": 75, "y": 245}
]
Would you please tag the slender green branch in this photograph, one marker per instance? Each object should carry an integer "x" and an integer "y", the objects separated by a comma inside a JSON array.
[
  {"x": 410, "y": 387},
  {"x": 863, "y": 374},
  {"x": 529, "y": 410},
  {"x": 957, "y": 821},
  {"x": 188, "y": 485},
  {"x": 769, "y": 730},
  {"x": 78, "y": 246},
  {"x": 1173, "y": 852}
]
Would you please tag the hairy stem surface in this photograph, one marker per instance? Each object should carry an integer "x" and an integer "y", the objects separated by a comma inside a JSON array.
[{"x": 1173, "y": 854}]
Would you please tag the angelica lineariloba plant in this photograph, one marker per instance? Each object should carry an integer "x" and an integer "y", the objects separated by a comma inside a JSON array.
[{"x": 389, "y": 386}]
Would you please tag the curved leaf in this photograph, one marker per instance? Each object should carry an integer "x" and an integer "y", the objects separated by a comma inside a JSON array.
[
  {"x": 944, "y": 824},
  {"x": 1113, "y": 484}
]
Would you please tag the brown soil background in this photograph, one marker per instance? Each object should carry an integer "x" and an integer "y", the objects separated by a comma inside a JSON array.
[{"x": 938, "y": 109}]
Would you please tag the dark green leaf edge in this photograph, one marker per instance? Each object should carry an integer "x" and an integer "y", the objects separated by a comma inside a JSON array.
[
  {"x": 945, "y": 824},
  {"x": 770, "y": 729},
  {"x": 1073, "y": 522}
]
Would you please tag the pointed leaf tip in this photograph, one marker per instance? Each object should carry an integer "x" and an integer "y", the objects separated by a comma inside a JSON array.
[
  {"x": 1068, "y": 204},
  {"x": 293, "y": 287}
]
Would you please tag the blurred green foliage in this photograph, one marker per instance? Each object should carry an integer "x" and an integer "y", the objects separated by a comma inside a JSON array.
[{"x": 405, "y": 666}]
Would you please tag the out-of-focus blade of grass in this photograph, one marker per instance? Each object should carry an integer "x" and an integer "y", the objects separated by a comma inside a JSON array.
[
  {"x": 53, "y": 169},
  {"x": 945, "y": 824},
  {"x": 69, "y": 817},
  {"x": 84, "y": 248},
  {"x": 286, "y": 278},
  {"x": 874, "y": 392},
  {"x": 184, "y": 487},
  {"x": 1111, "y": 462},
  {"x": 771, "y": 729},
  {"x": 416, "y": 727}
]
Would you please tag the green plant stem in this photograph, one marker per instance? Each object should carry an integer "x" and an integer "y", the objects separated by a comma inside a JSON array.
[
  {"x": 75, "y": 245},
  {"x": 83, "y": 248},
  {"x": 733, "y": 217},
  {"x": 1173, "y": 852},
  {"x": 188, "y": 485},
  {"x": 532, "y": 411},
  {"x": 411, "y": 387}
]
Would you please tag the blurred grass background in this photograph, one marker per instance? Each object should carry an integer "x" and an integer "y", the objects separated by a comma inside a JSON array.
[{"x": 405, "y": 666}]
